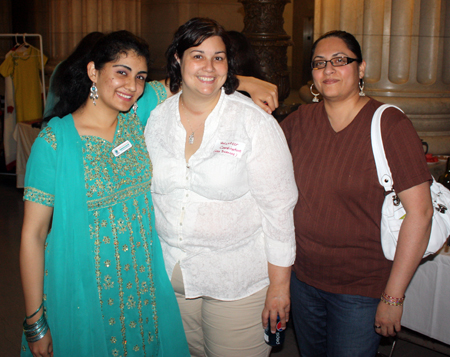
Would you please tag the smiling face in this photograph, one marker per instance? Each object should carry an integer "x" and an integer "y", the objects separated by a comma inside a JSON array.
[
  {"x": 336, "y": 83},
  {"x": 120, "y": 83},
  {"x": 204, "y": 68}
]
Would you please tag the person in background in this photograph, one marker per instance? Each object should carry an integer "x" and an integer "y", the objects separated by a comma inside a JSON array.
[
  {"x": 79, "y": 55},
  {"x": 224, "y": 192},
  {"x": 340, "y": 271},
  {"x": 246, "y": 61},
  {"x": 95, "y": 285}
]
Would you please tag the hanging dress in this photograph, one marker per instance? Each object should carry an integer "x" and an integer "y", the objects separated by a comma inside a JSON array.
[
  {"x": 24, "y": 66},
  {"x": 9, "y": 122}
]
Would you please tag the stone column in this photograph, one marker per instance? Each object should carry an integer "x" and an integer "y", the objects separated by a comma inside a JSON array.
[
  {"x": 263, "y": 26},
  {"x": 406, "y": 44}
]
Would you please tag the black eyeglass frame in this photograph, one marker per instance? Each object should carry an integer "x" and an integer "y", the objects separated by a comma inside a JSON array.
[{"x": 349, "y": 60}]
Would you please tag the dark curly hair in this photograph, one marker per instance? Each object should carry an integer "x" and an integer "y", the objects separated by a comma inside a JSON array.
[
  {"x": 74, "y": 82},
  {"x": 192, "y": 34}
]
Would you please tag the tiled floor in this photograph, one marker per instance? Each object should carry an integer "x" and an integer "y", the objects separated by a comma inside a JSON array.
[{"x": 11, "y": 300}]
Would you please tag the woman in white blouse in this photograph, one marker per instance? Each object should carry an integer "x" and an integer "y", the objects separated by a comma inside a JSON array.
[{"x": 224, "y": 193}]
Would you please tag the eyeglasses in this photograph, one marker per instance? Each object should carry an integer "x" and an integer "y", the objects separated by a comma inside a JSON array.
[{"x": 335, "y": 62}]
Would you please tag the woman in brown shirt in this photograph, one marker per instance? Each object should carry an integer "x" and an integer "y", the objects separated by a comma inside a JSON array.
[{"x": 340, "y": 271}]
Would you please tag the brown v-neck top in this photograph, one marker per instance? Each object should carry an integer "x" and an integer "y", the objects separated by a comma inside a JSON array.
[{"x": 338, "y": 214}]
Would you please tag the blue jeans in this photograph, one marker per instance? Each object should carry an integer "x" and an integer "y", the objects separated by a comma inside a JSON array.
[{"x": 333, "y": 325}]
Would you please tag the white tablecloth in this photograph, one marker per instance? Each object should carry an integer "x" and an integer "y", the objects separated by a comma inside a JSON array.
[
  {"x": 25, "y": 135},
  {"x": 427, "y": 304}
]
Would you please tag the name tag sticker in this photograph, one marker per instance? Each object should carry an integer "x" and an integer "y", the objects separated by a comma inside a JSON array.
[
  {"x": 232, "y": 148},
  {"x": 119, "y": 150}
]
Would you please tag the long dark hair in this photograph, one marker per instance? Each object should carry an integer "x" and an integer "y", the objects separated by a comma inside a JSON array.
[
  {"x": 350, "y": 40},
  {"x": 74, "y": 80},
  {"x": 81, "y": 52},
  {"x": 245, "y": 58},
  {"x": 192, "y": 34}
]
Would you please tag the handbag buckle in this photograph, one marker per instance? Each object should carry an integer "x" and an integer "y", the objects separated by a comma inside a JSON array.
[
  {"x": 395, "y": 200},
  {"x": 441, "y": 208}
]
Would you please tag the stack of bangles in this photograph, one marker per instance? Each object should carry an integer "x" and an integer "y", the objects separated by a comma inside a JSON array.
[
  {"x": 392, "y": 300},
  {"x": 36, "y": 331}
]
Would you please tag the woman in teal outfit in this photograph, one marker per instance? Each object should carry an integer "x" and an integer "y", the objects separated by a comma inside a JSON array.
[{"x": 99, "y": 273}]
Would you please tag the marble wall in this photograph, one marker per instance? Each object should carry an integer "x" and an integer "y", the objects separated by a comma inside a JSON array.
[{"x": 406, "y": 44}]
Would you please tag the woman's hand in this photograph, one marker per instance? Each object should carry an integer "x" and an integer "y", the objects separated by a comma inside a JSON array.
[
  {"x": 263, "y": 93},
  {"x": 389, "y": 318},
  {"x": 43, "y": 347},
  {"x": 278, "y": 301},
  {"x": 412, "y": 242}
]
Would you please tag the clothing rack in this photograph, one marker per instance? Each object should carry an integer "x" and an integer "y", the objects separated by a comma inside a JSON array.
[{"x": 24, "y": 35}]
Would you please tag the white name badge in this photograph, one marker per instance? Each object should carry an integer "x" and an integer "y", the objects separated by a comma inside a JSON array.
[
  {"x": 232, "y": 148},
  {"x": 119, "y": 150}
]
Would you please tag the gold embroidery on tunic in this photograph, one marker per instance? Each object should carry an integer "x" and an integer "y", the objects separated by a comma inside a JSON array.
[
  {"x": 113, "y": 184},
  {"x": 119, "y": 275},
  {"x": 37, "y": 196},
  {"x": 160, "y": 90},
  {"x": 49, "y": 136}
]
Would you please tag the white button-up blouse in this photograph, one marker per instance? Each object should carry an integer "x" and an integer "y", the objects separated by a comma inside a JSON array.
[{"x": 229, "y": 210}]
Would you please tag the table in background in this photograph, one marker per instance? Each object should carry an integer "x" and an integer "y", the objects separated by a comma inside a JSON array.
[
  {"x": 427, "y": 304},
  {"x": 24, "y": 134},
  {"x": 437, "y": 168}
]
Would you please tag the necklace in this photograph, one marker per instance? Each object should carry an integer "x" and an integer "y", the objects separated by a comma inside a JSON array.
[{"x": 191, "y": 137}]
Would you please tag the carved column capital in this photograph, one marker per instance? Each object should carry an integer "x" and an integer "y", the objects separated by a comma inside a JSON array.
[{"x": 263, "y": 26}]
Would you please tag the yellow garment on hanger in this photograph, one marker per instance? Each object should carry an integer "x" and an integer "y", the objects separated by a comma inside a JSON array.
[{"x": 24, "y": 66}]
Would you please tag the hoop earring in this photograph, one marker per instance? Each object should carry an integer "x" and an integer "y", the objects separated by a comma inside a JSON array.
[
  {"x": 315, "y": 99},
  {"x": 361, "y": 88},
  {"x": 94, "y": 93}
]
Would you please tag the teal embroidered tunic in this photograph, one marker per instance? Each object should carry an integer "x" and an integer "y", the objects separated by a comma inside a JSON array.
[{"x": 106, "y": 290}]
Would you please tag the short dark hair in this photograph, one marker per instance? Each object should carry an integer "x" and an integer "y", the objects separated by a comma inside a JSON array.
[
  {"x": 192, "y": 34},
  {"x": 350, "y": 40},
  {"x": 75, "y": 81}
]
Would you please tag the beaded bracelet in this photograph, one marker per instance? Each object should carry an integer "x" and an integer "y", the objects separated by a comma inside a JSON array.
[{"x": 392, "y": 300}]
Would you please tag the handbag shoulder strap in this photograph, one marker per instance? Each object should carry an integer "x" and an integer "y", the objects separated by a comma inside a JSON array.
[{"x": 383, "y": 170}]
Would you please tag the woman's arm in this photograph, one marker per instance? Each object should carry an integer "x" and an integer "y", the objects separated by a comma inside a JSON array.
[
  {"x": 278, "y": 300},
  {"x": 412, "y": 243},
  {"x": 34, "y": 232},
  {"x": 272, "y": 185},
  {"x": 264, "y": 94}
]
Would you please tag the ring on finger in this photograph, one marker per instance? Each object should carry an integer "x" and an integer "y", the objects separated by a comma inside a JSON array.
[{"x": 377, "y": 326}]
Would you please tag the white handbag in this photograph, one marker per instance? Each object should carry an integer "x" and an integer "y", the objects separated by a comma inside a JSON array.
[{"x": 392, "y": 212}]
